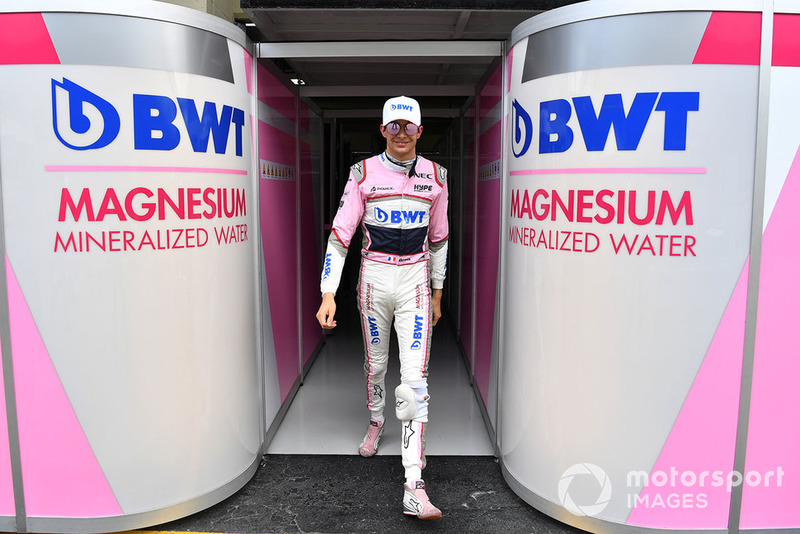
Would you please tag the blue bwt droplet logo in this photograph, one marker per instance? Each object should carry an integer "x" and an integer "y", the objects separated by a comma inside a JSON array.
[
  {"x": 523, "y": 130},
  {"x": 81, "y": 119}
]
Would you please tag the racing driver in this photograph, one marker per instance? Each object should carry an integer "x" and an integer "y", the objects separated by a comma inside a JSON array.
[{"x": 400, "y": 200}]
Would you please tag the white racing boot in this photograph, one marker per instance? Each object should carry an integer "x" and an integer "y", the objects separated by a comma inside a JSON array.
[
  {"x": 369, "y": 445},
  {"x": 416, "y": 501}
]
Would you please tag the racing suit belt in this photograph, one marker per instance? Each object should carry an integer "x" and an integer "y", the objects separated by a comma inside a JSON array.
[{"x": 395, "y": 259}]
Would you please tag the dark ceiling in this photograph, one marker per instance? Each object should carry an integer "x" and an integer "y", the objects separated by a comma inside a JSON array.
[{"x": 435, "y": 50}]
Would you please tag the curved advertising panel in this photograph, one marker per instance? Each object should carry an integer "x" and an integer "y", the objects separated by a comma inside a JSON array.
[
  {"x": 773, "y": 438},
  {"x": 128, "y": 216},
  {"x": 635, "y": 185}
]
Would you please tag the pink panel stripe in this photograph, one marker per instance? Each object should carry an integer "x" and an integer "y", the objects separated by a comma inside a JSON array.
[
  {"x": 731, "y": 38},
  {"x": 136, "y": 168},
  {"x": 248, "y": 71},
  {"x": 703, "y": 438},
  {"x": 274, "y": 94},
  {"x": 773, "y": 440},
  {"x": 786, "y": 41},
  {"x": 615, "y": 170},
  {"x": 60, "y": 473},
  {"x": 278, "y": 201},
  {"x": 488, "y": 209},
  {"x": 509, "y": 69},
  {"x": 491, "y": 93},
  {"x": 24, "y": 40},
  {"x": 7, "y": 504}
]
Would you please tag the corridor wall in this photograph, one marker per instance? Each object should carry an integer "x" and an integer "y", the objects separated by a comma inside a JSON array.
[
  {"x": 467, "y": 209},
  {"x": 288, "y": 160},
  {"x": 481, "y": 235},
  {"x": 487, "y": 250},
  {"x": 310, "y": 231},
  {"x": 278, "y": 171}
]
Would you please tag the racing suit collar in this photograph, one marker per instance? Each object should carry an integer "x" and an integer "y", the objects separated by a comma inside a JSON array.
[{"x": 406, "y": 167}]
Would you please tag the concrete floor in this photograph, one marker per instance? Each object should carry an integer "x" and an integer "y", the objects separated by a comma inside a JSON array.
[
  {"x": 338, "y": 494},
  {"x": 312, "y": 479}
]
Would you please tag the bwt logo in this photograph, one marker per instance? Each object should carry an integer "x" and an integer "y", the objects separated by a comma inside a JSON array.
[
  {"x": 402, "y": 106},
  {"x": 327, "y": 272},
  {"x": 91, "y": 122},
  {"x": 83, "y": 120},
  {"x": 556, "y": 136},
  {"x": 417, "y": 333},
  {"x": 373, "y": 331},
  {"x": 399, "y": 216}
]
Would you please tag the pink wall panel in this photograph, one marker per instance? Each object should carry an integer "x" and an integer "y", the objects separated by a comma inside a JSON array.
[
  {"x": 467, "y": 268},
  {"x": 248, "y": 62},
  {"x": 279, "y": 239},
  {"x": 773, "y": 440},
  {"x": 703, "y": 437},
  {"x": 731, "y": 39},
  {"x": 488, "y": 253},
  {"x": 60, "y": 473},
  {"x": 488, "y": 227},
  {"x": 786, "y": 41},
  {"x": 490, "y": 95},
  {"x": 276, "y": 95},
  {"x": 310, "y": 251},
  {"x": 310, "y": 268}
]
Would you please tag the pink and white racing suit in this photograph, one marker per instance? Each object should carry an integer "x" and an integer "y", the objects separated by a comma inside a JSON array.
[{"x": 403, "y": 214}]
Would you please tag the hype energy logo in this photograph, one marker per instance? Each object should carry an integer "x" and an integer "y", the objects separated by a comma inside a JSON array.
[
  {"x": 557, "y": 135},
  {"x": 83, "y": 120}
]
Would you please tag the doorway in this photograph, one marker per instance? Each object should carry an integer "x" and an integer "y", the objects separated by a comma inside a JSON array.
[{"x": 325, "y": 410}]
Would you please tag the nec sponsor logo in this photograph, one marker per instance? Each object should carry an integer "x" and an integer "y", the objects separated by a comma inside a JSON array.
[
  {"x": 373, "y": 331},
  {"x": 399, "y": 216},
  {"x": 417, "y": 344},
  {"x": 419, "y": 188},
  {"x": 82, "y": 120},
  {"x": 557, "y": 136}
]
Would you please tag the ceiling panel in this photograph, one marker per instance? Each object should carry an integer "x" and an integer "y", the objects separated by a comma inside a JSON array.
[{"x": 348, "y": 86}]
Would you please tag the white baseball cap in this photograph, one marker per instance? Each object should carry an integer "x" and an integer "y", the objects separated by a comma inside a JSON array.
[{"x": 402, "y": 108}]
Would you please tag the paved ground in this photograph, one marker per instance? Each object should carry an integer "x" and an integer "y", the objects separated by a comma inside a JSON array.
[{"x": 350, "y": 494}]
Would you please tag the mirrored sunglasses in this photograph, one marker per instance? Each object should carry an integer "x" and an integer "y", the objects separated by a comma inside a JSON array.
[{"x": 394, "y": 128}]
